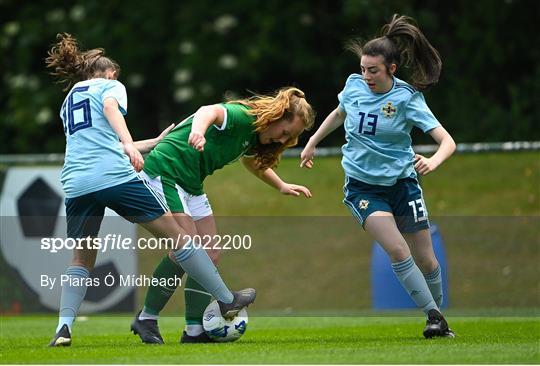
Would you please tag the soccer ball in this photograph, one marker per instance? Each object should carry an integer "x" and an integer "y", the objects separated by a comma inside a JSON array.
[{"x": 220, "y": 329}]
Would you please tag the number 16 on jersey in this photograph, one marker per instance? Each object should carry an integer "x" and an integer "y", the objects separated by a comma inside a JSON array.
[{"x": 76, "y": 116}]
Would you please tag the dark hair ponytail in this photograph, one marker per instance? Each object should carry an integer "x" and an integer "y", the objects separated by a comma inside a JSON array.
[
  {"x": 65, "y": 59},
  {"x": 70, "y": 65},
  {"x": 401, "y": 42}
]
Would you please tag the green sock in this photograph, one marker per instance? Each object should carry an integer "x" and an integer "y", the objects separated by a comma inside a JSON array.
[
  {"x": 157, "y": 296},
  {"x": 197, "y": 299}
]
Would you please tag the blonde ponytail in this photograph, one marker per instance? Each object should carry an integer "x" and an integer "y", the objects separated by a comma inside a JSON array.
[{"x": 285, "y": 103}]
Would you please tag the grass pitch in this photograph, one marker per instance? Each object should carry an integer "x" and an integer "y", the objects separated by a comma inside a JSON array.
[{"x": 281, "y": 340}]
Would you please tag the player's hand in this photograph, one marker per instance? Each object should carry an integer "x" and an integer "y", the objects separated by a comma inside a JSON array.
[
  {"x": 295, "y": 190},
  {"x": 307, "y": 156},
  {"x": 197, "y": 141},
  {"x": 424, "y": 165},
  {"x": 135, "y": 156}
]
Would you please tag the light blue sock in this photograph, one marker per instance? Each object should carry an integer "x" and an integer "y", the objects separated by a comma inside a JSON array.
[
  {"x": 73, "y": 292},
  {"x": 413, "y": 281},
  {"x": 199, "y": 266},
  {"x": 434, "y": 281}
]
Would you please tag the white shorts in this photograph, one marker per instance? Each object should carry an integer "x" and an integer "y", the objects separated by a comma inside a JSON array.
[{"x": 197, "y": 207}]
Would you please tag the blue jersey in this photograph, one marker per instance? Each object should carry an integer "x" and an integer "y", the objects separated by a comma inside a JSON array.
[
  {"x": 377, "y": 130},
  {"x": 95, "y": 158}
]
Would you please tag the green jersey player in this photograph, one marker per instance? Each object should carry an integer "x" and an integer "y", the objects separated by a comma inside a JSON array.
[{"x": 256, "y": 131}]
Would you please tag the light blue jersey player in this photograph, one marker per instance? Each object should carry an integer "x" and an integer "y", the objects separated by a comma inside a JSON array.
[
  {"x": 377, "y": 130},
  {"x": 378, "y": 111},
  {"x": 100, "y": 171},
  {"x": 95, "y": 157},
  {"x": 378, "y": 158}
]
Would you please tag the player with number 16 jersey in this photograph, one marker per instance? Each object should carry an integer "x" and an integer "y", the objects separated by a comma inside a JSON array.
[
  {"x": 95, "y": 159},
  {"x": 100, "y": 172}
]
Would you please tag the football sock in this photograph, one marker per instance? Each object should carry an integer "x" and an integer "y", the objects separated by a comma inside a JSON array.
[
  {"x": 157, "y": 296},
  {"x": 196, "y": 299},
  {"x": 72, "y": 296},
  {"x": 434, "y": 281},
  {"x": 194, "y": 330},
  {"x": 143, "y": 315},
  {"x": 199, "y": 266},
  {"x": 411, "y": 278}
]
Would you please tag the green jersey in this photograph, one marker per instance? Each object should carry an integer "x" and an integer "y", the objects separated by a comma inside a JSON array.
[{"x": 174, "y": 158}]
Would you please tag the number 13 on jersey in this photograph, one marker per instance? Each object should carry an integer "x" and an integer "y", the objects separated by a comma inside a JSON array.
[
  {"x": 419, "y": 210},
  {"x": 368, "y": 123}
]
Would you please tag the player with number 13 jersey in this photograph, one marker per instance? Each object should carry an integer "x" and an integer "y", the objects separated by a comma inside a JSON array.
[
  {"x": 377, "y": 130},
  {"x": 382, "y": 191}
]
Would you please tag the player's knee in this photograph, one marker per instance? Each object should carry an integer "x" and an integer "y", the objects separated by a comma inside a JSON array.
[
  {"x": 399, "y": 253},
  {"x": 426, "y": 265}
]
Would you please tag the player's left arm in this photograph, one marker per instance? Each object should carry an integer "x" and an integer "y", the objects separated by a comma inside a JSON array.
[
  {"x": 447, "y": 146},
  {"x": 145, "y": 146},
  {"x": 270, "y": 177},
  {"x": 118, "y": 123},
  {"x": 204, "y": 117}
]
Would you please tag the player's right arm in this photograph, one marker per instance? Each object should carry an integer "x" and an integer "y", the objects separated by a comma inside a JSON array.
[
  {"x": 145, "y": 146},
  {"x": 204, "y": 117},
  {"x": 330, "y": 123},
  {"x": 118, "y": 124},
  {"x": 270, "y": 177}
]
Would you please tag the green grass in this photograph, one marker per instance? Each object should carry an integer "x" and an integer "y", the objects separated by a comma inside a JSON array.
[
  {"x": 493, "y": 261},
  {"x": 312, "y": 340}
]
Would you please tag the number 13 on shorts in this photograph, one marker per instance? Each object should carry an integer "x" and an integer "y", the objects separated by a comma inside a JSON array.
[{"x": 419, "y": 210}]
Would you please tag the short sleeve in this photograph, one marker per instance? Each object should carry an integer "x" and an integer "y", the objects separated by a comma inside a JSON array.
[
  {"x": 224, "y": 123},
  {"x": 344, "y": 95},
  {"x": 419, "y": 113},
  {"x": 117, "y": 90},
  {"x": 236, "y": 116},
  {"x": 340, "y": 97}
]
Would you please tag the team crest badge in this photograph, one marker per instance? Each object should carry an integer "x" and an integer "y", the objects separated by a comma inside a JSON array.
[
  {"x": 389, "y": 110},
  {"x": 363, "y": 204}
]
